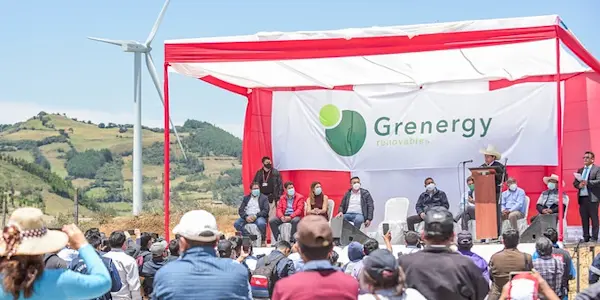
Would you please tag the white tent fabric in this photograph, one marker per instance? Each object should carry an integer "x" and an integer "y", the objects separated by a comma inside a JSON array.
[{"x": 507, "y": 61}]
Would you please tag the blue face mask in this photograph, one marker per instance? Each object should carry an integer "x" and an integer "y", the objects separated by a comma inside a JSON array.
[
  {"x": 551, "y": 185},
  {"x": 255, "y": 192},
  {"x": 291, "y": 192},
  {"x": 318, "y": 191}
]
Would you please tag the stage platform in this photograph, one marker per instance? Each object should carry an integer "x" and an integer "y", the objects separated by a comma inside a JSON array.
[{"x": 484, "y": 250}]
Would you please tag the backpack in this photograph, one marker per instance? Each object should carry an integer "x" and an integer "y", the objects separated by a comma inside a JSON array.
[
  {"x": 264, "y": 277},
  {"x": 80, "y": 267}
]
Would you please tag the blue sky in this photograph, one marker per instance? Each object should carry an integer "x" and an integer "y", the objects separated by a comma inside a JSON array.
[{"x": 48, "y": 64}]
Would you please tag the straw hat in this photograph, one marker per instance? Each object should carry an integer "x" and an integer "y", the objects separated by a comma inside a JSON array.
[
  {"x": 491, "y": 150},
  {"x": 26, "y": 234},
  {"x": 552, "y": 177}
]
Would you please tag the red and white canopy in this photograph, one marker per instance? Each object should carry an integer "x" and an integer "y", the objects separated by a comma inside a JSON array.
[
  {"x": 510, "y": 49},
  {"x": 363, "y": 62}
]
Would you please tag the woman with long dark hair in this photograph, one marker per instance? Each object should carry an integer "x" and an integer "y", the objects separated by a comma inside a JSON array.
[
  {"x": 383, "y": 279},
  {"x": 25, "y": 240},
  {"x": 317, "y": 202}
]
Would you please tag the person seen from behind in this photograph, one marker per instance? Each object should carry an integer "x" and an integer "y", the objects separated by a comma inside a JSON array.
[
  {"x": 510, "y": 259},
  {"x": 355, "y": 254},
  {"x": 549, "y": 267},
  {"x": 159, "y": 259},
  {"x": 274, "y": 266},
  {"x": 173, "y": 250},
  {"x": 319, "y": 279},
  {"x": 383, "y": 279},
  {"x": 199, "y": 273},
  {"x": 564, "y": 256},
  {"x": 127, "y": 268},
  {"x": 296, "y": 258},
  {"x": 94, "y": 238},
  {"x": 465, "y": 243},
  {"x": 437, "y": 271},
  {"x": 370, "y": 246},
  {"x": 24, "y": 242},
  {"x": 412, "y": 241},
  {"x": 527, "y": 286}
]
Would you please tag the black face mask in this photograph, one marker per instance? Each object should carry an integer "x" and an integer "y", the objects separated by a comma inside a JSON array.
[{"x": 268, "y": 166}]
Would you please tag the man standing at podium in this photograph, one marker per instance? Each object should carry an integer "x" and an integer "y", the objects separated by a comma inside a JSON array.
[{"x": 491, "y": 156}]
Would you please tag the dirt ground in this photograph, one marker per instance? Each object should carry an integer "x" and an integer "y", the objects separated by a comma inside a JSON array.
[
  {"x": 154, "y": 223},
  {"x": 585, "y": 260}
]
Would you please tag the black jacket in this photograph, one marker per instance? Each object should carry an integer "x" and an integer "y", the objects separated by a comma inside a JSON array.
[
  {"x": 274, "y": 188},
  {"x": 263, "y": 203},
  {"x": 440, "y": 273},
  {"x": 500, "y": 173},
  {"x": 593, "y": 184},
  {"x": 426, "y": 201},
  {"x": 366, "y": 203}
]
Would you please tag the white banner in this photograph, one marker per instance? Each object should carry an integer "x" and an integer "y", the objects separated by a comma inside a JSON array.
[{"x": 368, "y": 131}]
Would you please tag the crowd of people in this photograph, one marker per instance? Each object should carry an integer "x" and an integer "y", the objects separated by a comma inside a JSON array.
[{"x": 201, "y": 263}]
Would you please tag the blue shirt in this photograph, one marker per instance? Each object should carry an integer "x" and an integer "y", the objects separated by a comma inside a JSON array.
[
  {"x": 514, "y": 201},
  {"x": 200, "y": 274},
  {"x": 290, "y": 206},
  {"x": 58, "y": 284}
]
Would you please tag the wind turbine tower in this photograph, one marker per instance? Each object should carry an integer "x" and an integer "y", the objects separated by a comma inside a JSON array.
[{"x": 138, "y": 48}]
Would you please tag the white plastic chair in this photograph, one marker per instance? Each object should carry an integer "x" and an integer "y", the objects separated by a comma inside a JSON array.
[
  {"x": 521, "y": 223},
  {"x": 330, "y": 205},
  {"x": 395, "y": 213}
]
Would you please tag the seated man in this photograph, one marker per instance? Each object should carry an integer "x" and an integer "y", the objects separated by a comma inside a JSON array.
[
  {"x": 467, "y": 213},
  {"x": 254, "y": 209},
  {"x": 357, "y": 205},
  {"x": 513, "y": 203},
  {"x": 547, "y": 203},
  {"x": 290, "y": 209},
  {"x": 431, "y": 197}
]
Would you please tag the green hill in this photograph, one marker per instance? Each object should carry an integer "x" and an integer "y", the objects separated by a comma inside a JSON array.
[{"x": 54, "y": 155}]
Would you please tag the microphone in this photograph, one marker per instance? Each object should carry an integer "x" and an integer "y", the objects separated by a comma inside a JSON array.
[{"x": 466, "y": 161}]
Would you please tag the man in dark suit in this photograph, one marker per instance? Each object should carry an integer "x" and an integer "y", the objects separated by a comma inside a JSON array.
[
  {"x": 491, "y": 156},
  {"x": 254, "y": 209},
  {"x": 588, "y": 195}
]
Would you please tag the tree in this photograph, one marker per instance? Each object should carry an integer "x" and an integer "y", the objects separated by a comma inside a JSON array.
[
  {"x": 86, "y": 164},
  {"x": 101, "y": 125},
  {"x": 122, "y": 129}
]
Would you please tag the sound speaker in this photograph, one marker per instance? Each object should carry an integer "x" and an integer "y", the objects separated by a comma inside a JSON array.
[
  {"x": 344, "y": 232},
  {"x": 538, "y": 227}
]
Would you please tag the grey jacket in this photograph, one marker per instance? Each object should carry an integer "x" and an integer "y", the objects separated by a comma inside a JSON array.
[
  {"x": 366, "y": 203},
  {"x": 593, "y": 184}
]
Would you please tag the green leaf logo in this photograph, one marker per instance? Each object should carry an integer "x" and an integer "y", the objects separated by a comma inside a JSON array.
[{"x": 345, "y": 131}]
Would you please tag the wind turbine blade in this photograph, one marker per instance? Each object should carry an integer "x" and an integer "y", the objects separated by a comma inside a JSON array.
[
  {"x": 157, "y": 23},
  {"x": 154, "y": 76},
  {"x": 112, "y": 42}
]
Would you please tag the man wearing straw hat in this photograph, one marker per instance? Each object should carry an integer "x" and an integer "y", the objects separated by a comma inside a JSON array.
[
  {"x": 547, "y": 203},
  {"x": 491, "y": 156}
]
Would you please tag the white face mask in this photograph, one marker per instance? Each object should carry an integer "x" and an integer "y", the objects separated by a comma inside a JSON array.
[
  {"x": 356, "y": 186},
  {"x": 512, "y": 187},
  {"x": 430, "y": 187}
]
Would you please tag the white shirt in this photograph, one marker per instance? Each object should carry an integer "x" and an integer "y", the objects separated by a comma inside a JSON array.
[
  {"x": 354, "y": 205},
  {"x": 584, "y": 191},
  {"x": 129, "y": 273},
  {"x": 252, "y": 208}
]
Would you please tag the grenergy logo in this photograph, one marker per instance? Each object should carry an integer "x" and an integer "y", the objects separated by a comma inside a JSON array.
[{"x": 345, "y": 131}]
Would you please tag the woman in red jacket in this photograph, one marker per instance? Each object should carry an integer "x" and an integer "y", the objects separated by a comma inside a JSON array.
[{"x": 290, "y": 209}]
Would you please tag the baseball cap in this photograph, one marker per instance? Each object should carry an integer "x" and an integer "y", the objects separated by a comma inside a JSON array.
[
  {"x": 464, "y": 238},
  {"x": 381, "y": 265},
  {"x": 314, "y": 231},
  {"x": 438, "y": 221},
  {"x": 198, "y": 225},
  {"x": 158, "y": 248}
]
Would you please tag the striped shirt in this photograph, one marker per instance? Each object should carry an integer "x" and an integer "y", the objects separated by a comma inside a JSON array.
[{"x": 200, "y": 274}]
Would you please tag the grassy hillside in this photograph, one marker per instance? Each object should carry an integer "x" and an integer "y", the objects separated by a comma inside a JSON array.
[{"x": 96, "y": 160}]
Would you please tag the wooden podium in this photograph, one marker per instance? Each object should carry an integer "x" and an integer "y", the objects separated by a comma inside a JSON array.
[{"x": 486, "y": 218}]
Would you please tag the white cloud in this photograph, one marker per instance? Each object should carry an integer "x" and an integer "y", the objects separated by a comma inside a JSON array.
[{"x": 12, "y": 112}]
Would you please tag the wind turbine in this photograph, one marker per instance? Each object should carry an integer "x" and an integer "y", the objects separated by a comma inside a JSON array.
[{"x": 138, "y": 49}]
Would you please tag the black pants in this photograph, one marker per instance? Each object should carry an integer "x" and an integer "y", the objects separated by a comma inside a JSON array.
[
  {"x": 275, "y": 222},
  {"x": 466, "y": 216},
  {"x": 588, "y": 211},
  {"x": 412, "y": 221}
]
